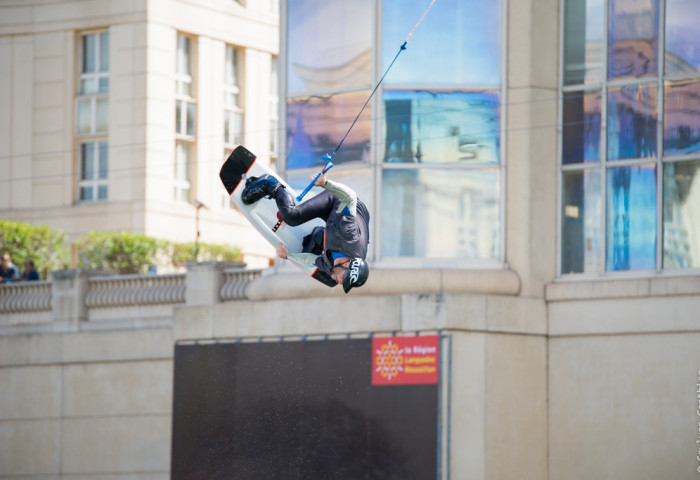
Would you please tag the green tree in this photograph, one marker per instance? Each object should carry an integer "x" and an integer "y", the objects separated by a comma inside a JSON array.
[
  {"x": 185, "y": 252},
  {"x": 43, "y": 245},
  {"x": 121, "y": 252}
]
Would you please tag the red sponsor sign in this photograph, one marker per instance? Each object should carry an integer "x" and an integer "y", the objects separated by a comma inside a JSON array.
[{"x": 405, "y": 360}]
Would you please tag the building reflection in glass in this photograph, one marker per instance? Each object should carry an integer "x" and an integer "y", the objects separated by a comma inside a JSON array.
[
  {"x": 631, "y": 218},
  {"x": 682, "y": 41},
  {"x": 633, "y": 37},
  {"x": 632, "y": 121},
  {"x": 582, "y": 210},
  {"x": 440, "y": 213},
  {"x": 445, "y": 127},
  {"x": 681, "y": 117},
  {"x": 316, "y": 124},
  {"x": 581, "y": 128},
  {"x": 458, "y": 43},
  {"x": 324, "y": 53},
  {"x": 682, "y": 215},
  {"x": 583, "y": 41}
]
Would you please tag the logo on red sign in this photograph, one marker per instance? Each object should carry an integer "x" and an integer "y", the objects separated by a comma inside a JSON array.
[{"x": 405, "y": 360}]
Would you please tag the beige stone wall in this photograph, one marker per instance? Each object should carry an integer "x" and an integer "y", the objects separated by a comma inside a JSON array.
[
  {"x": 77, "y": 404},
  {"x": 598, "y": 382},
  {"x": 624, "y": 363},
  {"x": 39, "y": 163}
]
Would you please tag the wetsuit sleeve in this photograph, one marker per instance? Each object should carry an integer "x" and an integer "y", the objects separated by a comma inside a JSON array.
[
  {"x": 303, "y": 259},
  {"x": 309, "y": 260},
  {"x": 347, "y": 196}
]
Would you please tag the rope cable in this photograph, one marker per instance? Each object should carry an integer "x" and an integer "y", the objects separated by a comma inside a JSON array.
[{"x": 401, "y": 49}]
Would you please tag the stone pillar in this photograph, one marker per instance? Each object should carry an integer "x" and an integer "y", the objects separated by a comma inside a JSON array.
[
  {"x": 68, "y": 292},
  {"x": 204, "y": 280}
]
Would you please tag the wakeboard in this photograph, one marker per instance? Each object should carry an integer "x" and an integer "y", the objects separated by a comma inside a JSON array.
[{"x": 263, "y": 214}]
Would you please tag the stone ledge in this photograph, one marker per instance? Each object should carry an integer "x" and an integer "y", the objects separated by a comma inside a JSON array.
[
  {"x": 386, "y": 281},
  {"x": 608, "y": 288}
]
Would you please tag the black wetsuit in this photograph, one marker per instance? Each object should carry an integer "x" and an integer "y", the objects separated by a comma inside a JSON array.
[{"x": 344, "y": 233}]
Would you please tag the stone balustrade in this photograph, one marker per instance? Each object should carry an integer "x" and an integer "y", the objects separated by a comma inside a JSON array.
[
  {"x": 236, "y": 281},
  {"x": 25, "y": 297},
  {"x": 77, "y": 291},
  {"x": 131, "y": 290}
]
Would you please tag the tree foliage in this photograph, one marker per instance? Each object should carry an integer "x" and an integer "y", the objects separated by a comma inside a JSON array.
[
  {"x": 120, "y": 252},
  {"x": 180, "y": 253},
  {"x": 128, "y": 253},
  {"x": 45, "y": 246}
]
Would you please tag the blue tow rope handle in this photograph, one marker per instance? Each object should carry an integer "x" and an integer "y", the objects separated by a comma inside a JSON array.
[{"x": 328, "y": 166}]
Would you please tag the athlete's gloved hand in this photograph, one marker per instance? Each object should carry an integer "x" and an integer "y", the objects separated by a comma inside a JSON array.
[
  {"x": 282, "y": 251},
  {"x": 320, "y": 181}
]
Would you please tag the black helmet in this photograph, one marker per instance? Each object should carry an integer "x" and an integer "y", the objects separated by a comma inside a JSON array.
[{"x": 356, "y": 274}]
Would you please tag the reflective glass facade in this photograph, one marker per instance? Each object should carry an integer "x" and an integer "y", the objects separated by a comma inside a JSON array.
[
  {"x": 647, "y": 149},
  {"x": 426, "y": 151}
]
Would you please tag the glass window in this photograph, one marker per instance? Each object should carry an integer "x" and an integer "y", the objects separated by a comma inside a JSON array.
[
  {"x": 233, "y": 110},
  {"x": 583, "y": 41},
  {"x": 633, "y": 36},
  {"x": 183, "y": 62},
  {"x": 632, "y": 114},
  {"x": 682, "y": 117},
  {"x": 233, "y": 128},
  {"x": 441, "y": 213},
  {"x": 183, "y": 66},
  {"x": 89, "y": 53},
  {"x": 85, "y": 122},
  {"x": 325, "y": 53},
  {"x": 94, "y": 73},
  {"x": 182, "y": 171},
  {"x": 316, "y": 125},
  {"x": 427, "y": 148},
  {"x": 682, "y": 40},
  {"x": 185, "y": 116},
  {"x": 458, "y": 42},
  {"x": 93, "y": 171},
  {"x": 682, "y": 215},
  {"x": 185, "y": 106},
  {"x": 581, "y": 213},
  {"x": 581, "y": 127},
  {"x": 274, "y": 109},
  {"x": 104, "y": 52},
  {"x": 92, "y": 103},
  {"x": 449, "y": 127},
  {"x": 631, "y": 159},
  {"x": 631, "y": 218}
]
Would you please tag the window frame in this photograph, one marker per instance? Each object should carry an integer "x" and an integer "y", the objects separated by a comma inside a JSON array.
[
  {"x": 183, "y": 99},
  {"x": 233, "y": 87},
  {"x": 95, "y": 136},
  {"x": 92, "y": 97},
  {"x": 604, "y": 165},
  {"x": 375, "y": 166},
  {"x": 274, "y": 108},
  {"x": 96, "y": 181},
  {"x": 182, "y": 103}
]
